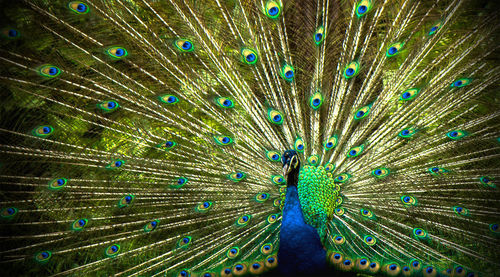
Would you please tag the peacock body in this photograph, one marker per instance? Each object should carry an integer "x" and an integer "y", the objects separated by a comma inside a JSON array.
[{"x": 241, "y": 137}]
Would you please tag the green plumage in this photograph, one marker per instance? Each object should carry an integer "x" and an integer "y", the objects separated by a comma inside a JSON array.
[
  {"x": 318, "y": 197},
  {"x": 146, "y": 138}
]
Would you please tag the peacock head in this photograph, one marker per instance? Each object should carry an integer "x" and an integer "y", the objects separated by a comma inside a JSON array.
[{"x": 291, "y": 165}]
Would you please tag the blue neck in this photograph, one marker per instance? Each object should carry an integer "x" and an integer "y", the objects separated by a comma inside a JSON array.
[{"x": 300, "y": 250}]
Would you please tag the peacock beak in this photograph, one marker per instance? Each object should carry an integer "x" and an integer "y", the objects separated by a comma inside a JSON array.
[
  {"x": 286, "y": 168},
  {"x": 289, "y": 165}
]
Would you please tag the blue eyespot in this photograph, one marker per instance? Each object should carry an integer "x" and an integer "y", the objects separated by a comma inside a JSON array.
[
  {"x": 12, "y": 33},
  {"x": 378, "y": 172},
  {"x": 405, "y": 132},
  {"x": 363, "y": 261},
  {"x": 186, "y": 45},
  {"x": 360, "y": 114},
  {"x": 118, "y": 163},
  {"x": 270, "y": 260},
  {"x": 352, "y": 152},
  {"x": 459, "y": 269},
  {"x": 185, "y": 240},
  {"x": 238, "y": 267},
  {"x": 225, "y": 140},
  {"x": 227, "y": 271},
  {"x": 433, "y": 29},
  {"x": 289, "y": 74},
  {"x": 405, "y": 268},
  {"x": 435, "y": 169},
  {"x": 111, "y": 104},
  {"x": 227, "y": 103},
  {"x": 415, "y": 263},
  {"x": 406, "y": 95},
  {"x": 392, "y": 267},
  {"x": 250, "y": 57},
  {"x": 245, "y": 218},
  {"x": 273, "y": 11},
  {"x": 171, "y": 99},
  {"x": 318, "y": 37},
  {"x": 362, "y": 9},
  {"x": 373, "y": 265},
  {"x": 393, "y": 50},
  {"x": 275, "y": 157},
  {"x": 347, "y": 262},
  {"x": 316, "y": 102},
  {"x": 277, "y": 118},
  {"x": 256, "y": 266},
  {"x": 429, "y": 269},
  {"x": 336, "y": 256},
  {"x": 349, "y": 72},
  {"x": 181, "y": 181}
]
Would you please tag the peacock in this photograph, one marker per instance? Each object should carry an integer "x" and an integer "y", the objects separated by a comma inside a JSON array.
[{"x": 249, "y": 137}]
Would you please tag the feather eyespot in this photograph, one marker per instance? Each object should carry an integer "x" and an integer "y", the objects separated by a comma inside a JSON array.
[
  {"x": 408, "y": 200},
  {"x": 456, "y": 134},
  {"x": 351, "y": 70},
  {"x": 204, "y": 206},
  {"x": 363, "y": 7},
  {"x": 407, "y": 133},
  {"x": 434, "y": 29},
  {"x": 355, "y": 151},
  {"x": 394, "y": 49},
  {"x": 342, "y": 178},
  {"x": 184, "y": 242},
  {"x": 298, "y": 145},
  {"x": 272, "y": 9},
  {"x": 329, "y": 167},
  {"x": 420, "y": 234},
  {"x": 117, "y": 52},
  {"x": 487, "y": 181},
  {"x": 287, "y": 72},
  {"x": 108, "y": 106},
  {"x": 313, "y": 159},
  {"x": 381, "y": 172},
  {"x": 243, "y": 220},
  {"x": 316, "y": 100},
  {"x": 43, "y": 131},
  {"x": 10, "y": 33},
  {"x": 459, "y": 210},
  {"x": 437, "y": 171},
  {"x": 168, "y": 99},
  {"x": 236, "y": 176},
  {"x": 50, "y": 71},
  {"x": 151, "y": 226},
  {"x": 272, "y": 218},
  {"x": 184, "y": 45},
  {"x": 112, "y": 250},
  {"x": 278, "y": 179},
  {"x": 224, "y": 102},
  {"x": 233, "y": 252},
  {"x": 331, "y": 142},
  {"x": 79, "y": 224},
  {"x": 273, "y": 156},
  {"x": 369, "y": 240},
  {"x": 319, "y": 35},
  {"x": 223, "y": 140},
  {"x": 409, "y": 94},
  {"x": 78, "y": 7},
  {"x": 249, "y": 56},
  {"x": 116, "y": 164},
  {"x": 126, "y": 201},
  {"x": 367, "y": 214},
  {"x": 461, "y": 83},
  {"x": 275, "y": 116},
  {"x": 43, "y": 256},
  {"x": 8, "y": 213},
  {"x": 261, "y": 197},
  {"x": 168, "y": 145}
]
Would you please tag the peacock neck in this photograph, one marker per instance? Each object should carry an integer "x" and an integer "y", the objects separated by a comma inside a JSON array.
[{"x": 300, "y": 251}]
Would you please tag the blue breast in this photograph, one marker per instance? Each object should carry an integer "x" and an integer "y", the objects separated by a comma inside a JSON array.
[{"x": 300, "y": 250}]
